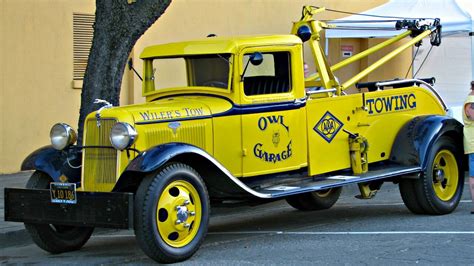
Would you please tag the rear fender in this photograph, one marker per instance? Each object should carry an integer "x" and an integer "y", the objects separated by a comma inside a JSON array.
[
  {"x": 55, "y": 163},
  {"x": 417, "y": 137}
]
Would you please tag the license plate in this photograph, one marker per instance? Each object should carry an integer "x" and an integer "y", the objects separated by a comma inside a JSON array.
[{"x": 63, "y": 193}]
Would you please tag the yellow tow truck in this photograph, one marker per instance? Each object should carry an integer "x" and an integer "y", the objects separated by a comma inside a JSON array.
[{"x": 234, "y": 120}]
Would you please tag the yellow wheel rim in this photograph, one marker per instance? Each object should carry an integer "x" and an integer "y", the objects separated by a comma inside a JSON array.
[
  {"x": 445, "y": 175},
  {"x": 178, "y": 213}
]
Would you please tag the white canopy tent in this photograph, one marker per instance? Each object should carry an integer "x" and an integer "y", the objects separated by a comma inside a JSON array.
[
  {"x": 455, "y": 17},
  {"x": 452, "y": 63}
]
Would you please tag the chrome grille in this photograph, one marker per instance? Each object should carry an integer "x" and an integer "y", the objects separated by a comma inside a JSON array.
[{"x": 100, "y": 164}]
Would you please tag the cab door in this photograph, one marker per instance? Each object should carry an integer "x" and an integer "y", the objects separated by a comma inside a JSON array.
[{"x": 273, "y": 117}]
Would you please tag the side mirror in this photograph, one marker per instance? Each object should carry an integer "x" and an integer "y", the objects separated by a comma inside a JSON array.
[{"x": 256, "y": 58}]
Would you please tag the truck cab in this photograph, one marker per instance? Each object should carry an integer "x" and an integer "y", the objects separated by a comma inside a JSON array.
[{"x": 256, "y": 111}]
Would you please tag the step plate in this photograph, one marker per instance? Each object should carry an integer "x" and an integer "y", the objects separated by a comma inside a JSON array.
[{"x": 320, "y": 183}]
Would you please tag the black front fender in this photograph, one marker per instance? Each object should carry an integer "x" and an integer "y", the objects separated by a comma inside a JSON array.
[
  {"x": 55, "y": 163},
  {"x": 220, "y": 182},
  {"x": 149, "y": 161},
  {"x": 154, "y": 158},
  {"x": 417, "y": 137}
]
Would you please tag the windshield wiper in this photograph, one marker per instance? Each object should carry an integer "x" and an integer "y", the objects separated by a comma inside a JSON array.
[{"x": 225, "y": 59}]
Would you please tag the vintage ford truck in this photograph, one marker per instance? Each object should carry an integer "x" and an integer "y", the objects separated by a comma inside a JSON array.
[{"x": 234, "y": 120}]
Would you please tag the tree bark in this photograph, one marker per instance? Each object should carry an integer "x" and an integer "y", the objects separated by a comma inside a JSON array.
[{"x": 118, "y": 26}]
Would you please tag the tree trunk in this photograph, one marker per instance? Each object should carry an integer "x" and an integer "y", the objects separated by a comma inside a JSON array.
[{"x": 118, "y": 25}]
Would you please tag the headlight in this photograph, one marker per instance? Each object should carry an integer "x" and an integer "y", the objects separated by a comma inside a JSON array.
[
  {"x": 122, "y": 136},
  {"x": 62, "y": 135}
]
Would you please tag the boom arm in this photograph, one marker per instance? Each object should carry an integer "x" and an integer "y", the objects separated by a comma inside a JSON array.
[{"x": 310, "y": 30}]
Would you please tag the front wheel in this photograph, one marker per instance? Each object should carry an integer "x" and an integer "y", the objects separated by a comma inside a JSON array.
[
  {"x": 50, "y": 237},
  {"x": 439, "y": 189},
  {"x": 313, "y": 201},
  {"x": 171, "y": 213}
]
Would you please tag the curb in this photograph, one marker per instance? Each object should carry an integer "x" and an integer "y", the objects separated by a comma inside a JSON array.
[{"x": 15, "y": 238}]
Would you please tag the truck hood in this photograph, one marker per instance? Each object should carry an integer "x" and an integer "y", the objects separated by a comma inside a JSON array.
[{"x": 178, "y": 108}]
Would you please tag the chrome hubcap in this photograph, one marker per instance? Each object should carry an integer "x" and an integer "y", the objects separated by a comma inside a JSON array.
[
  {"x": 182, "y": 214},
  {"x": 439, "y": 175}
]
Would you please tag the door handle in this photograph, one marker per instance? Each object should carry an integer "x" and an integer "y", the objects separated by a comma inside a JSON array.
[{"x": 300, "y": 101}]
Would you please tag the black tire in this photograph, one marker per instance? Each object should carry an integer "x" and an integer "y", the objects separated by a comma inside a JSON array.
[
  {"x": 157, "y": 199},
  {"x": 314, "y": 201},
  {"x": 439, "y": 190},
  {"x": 55, "y": 238},
  {"x": 407, "y": 191}
]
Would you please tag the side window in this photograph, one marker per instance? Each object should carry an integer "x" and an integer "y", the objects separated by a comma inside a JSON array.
[
  {"x": 271, "y": 76},
  {"x": 266, "y": 68}
]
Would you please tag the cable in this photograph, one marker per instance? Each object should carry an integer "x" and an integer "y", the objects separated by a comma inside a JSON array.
[
  {"x": 423, "y": 62},
  {"x": 413, "y": 60},
  {"x": 363, "y": 28},
  {"x": 358, "y": 21},
  {"x": 366, "y": 15}
]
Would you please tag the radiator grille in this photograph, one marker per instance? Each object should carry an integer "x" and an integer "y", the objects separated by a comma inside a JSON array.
[
  {"x": 194, "y": 134},
  {"x": 100, "y": 164}
]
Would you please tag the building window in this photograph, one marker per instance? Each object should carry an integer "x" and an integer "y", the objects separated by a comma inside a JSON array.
[{"x": 83, "y": 31}]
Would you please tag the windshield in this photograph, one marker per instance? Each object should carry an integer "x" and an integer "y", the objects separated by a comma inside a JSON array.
[{"x": 190, "y": 71}]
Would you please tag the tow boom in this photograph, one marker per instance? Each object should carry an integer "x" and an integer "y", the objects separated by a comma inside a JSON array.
[{"x": 310, "y": 30}]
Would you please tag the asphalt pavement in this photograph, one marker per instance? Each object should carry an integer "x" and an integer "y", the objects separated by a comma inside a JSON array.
[{"x": 377, "y": 231}]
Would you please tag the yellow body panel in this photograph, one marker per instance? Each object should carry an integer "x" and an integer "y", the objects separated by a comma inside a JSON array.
[
  {"x": 273, "y": 142},
  {"x": 228, "y": 143},
  {"x": 379, "y": 121}
]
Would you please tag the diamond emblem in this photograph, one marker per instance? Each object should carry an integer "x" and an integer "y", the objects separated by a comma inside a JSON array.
[{"x": 328, "y": 126}]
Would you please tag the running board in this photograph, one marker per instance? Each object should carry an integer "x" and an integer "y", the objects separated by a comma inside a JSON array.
[
  {"x": 310, "y": 184},
  {"x": 278, "y": 186}
]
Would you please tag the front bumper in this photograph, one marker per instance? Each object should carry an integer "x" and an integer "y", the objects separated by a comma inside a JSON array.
[{"x": 93, "y": 209}]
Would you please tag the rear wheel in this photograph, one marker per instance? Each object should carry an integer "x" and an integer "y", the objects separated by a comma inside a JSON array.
[
  {"x": 171, "y": 213},
  {"x": 439, "y": 189},
  {"x": 407, "y": 191},
  {"x": 50, "y": 237},
  {"x": 313, "y": 201}
]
